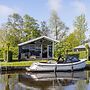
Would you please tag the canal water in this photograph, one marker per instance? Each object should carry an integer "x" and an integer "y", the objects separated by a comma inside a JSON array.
[{"x": 78, "y": 80}]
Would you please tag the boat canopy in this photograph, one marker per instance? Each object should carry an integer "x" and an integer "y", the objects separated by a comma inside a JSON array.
[{"x": 71, "y": 59}]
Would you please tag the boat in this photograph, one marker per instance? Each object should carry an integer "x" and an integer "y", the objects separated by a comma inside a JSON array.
[{"x": 70, "y": 64}]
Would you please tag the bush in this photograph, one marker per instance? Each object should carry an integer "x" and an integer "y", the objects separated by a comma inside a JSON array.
[
  {"x": 5, "y": 55},
  {"x": 73, "y": 54},
  {"x": 14, "y": 51},
  {"x": 1, "y": 53},
  {"x": 83, "y": 54},
  {"x": 80, "y": 54},
  {"x": 10, "y": 56}
]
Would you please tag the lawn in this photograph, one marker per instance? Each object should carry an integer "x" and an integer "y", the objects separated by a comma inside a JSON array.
[
  {"x": 21, "y": 63},
  {"x": 25, "y": 63},
  {"x": 88, "y": 62}
]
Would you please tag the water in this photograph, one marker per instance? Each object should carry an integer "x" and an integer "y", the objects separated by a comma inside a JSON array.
[{"x": 45, "y": 81}]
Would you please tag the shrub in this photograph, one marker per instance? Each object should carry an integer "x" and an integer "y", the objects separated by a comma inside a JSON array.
[
  {"x": 73, "y": 54},
  {"x": 80, "y": 54},
  {"x": 5, "y": 55},
  {"x": 14, "y": 51},
  {"x": 83, "y": 54},
  {"x": 10, "y": 56},
  {"x": 1, "y": 53}
]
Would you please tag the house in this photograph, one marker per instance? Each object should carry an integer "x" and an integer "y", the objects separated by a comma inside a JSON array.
[
  {"x": 80, "y": 48},
  {"x": 41, "y": 47}
]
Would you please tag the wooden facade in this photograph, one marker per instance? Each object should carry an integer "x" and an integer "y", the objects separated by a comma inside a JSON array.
[{"x": 42, "y": 47}]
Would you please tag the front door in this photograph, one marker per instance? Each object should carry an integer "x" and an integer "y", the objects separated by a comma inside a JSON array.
[{"x": 44, "y": 51}]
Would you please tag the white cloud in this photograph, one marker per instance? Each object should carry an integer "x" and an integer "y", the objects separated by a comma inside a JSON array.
[
  {"x": 79, "y": 6},
  {"x": 55, "y": 4},
  {"x": 5, "y": 10}
]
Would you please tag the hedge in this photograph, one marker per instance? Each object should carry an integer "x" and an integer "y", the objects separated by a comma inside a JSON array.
[
  {"x": 14, "y": 51},
  {"x": 1, "y": 53},
  {"x": 82, "y": 54}
]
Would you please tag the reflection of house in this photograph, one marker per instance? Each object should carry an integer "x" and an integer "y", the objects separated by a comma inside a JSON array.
[{"x": 41, "y": 47}]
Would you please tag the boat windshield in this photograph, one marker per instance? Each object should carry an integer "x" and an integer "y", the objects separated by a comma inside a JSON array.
[{"x": 71, "y": 59}]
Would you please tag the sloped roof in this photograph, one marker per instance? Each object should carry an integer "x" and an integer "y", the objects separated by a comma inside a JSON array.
[
  {"x": 32, "y": 40},
  {"x": 81, "y": 46}
]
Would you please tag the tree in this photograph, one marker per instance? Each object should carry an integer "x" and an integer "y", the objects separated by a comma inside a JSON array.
[
  {"x": 75, "y": 38},
  {"x": 44, "y": 29},
  {"x": 31, "y": 27},
  {"x": 4, "y": 43},
  {"x": 71, "y": 41},
  {"x": 14, "y": 26},
  {"x": 80, "y": 27},
  {"x": 57, "y": 26},
  {"x": 67, "y": 44},
  {"x": 21, "y": 29},
  {"x": 3, "y": 39}
]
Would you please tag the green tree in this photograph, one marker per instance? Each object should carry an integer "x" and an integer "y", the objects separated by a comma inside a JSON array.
[
  {"x": 80, "y": 27},
  {"x": 31, "y": 27},
  {"x": 71, "y": 41},
  {"x": 3, "y": 38},
  {"x": 67, "y": 44},
  {"x": 44, "y": 29},
  {"x": 4, "y": 44},
  {"x": 14, "y": 26},
  {"x": 57, "y": 26}
]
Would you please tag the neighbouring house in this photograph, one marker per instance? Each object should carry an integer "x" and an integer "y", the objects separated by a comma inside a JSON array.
[
  {"x": 41, "y": 47},
  {"x": 82, "y": 47},
  {"x": 79, "y": 48}
]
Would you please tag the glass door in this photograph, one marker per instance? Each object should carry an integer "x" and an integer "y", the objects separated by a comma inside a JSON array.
[{"x": 49, "y": 50}]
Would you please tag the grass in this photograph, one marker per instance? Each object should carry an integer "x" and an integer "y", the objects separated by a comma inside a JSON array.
[
  {"x": 24, "y": 63},
  {"x": 88, "y": 62},
  {"x": 21, "y": 63}
]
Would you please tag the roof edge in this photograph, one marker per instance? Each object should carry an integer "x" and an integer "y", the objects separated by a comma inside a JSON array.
[{"x": 32, "y": 40}]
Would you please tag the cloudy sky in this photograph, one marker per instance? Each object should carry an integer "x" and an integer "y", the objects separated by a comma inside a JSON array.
[{"x": 41, "y": 9}]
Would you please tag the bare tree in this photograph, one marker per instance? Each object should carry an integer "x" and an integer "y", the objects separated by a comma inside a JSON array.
[{"x": 57, "y": 26}]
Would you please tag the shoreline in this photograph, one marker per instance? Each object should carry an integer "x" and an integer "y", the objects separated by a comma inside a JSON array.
[{"x": 9, "y": 66}]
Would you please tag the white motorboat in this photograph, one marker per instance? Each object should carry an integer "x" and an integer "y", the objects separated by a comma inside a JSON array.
[{"x": 70, "y": 64}]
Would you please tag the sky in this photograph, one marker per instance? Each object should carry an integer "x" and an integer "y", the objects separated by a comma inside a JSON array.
[{"x": 41, "y": 10}]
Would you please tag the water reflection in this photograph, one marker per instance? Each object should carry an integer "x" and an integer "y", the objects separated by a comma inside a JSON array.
[
  {"x": 45, "y": 81},
  {"x": 50, "y": 80},
  {"x": 8, "y": 81}
]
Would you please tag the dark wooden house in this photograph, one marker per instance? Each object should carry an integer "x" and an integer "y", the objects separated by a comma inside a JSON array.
[{"x": 41, "y": 47}]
